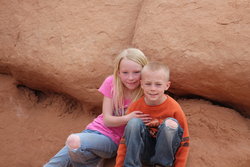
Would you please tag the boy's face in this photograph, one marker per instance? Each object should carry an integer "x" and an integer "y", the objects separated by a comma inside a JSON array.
[{"x": 154, "y": 83}]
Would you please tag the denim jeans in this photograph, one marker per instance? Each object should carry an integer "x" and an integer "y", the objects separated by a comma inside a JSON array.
[
  {"x": 94, "y": 147},
  {"x": 143, "y": 148}
]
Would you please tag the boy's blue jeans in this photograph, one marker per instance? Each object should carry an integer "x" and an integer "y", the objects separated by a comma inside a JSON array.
[
  {"x": 142, "y": 148},
  {"x": 94, "y": 147}
]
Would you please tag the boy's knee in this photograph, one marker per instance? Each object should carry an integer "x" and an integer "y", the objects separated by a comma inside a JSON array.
[
  {"x": 171, "y": 123},
  {"x": 73, "y": 141},
  {"x": 133, "y": 123}
]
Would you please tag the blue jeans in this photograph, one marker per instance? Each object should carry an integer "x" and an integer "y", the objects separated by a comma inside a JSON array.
[
  {"x": 143, "y": 148},
  {"x": 94, "y": 147}
]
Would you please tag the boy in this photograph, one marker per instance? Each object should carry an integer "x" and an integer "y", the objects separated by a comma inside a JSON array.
[{"x": 165, "y": 140}]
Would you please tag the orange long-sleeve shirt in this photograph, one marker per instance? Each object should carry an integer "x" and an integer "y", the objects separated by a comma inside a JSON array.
[{"x": 169, "y": 108}]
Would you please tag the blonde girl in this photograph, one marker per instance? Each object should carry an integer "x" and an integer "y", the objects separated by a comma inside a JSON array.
[{"x": 101, "y": 137}]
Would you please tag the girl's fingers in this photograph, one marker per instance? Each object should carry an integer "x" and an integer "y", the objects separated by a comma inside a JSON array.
[
  {"x": 138, "y": 112},
  {"x": 146, "y": 119},
  {"x": 142, "y": 115}
]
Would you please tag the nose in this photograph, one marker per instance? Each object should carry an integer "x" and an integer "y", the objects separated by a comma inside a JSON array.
[
  {"x": 152, "y": 87},
  {"x": 131, "y": 77}
]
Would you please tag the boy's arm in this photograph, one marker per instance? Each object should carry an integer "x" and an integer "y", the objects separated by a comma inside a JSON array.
[
  {"x": 121, "y": 153},
  {"x": 182, "y": 153}
]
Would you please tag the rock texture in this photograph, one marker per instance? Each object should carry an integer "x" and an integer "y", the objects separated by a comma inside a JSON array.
[
  {"x": 205, "y": 43},
  {"x": 34, "y": 126},
  {"x": 71, "y": 44},
  {"x": 55, "y": 54},
  {"x": 219, "y": 136},
  {"x": 64, "y": 46},
  {"x": 34, "y": 130}
]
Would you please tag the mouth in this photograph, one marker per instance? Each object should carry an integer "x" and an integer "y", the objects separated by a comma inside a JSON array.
[
  {"x": 152, "y": 94},
  {"x": 133, "y": 83}
]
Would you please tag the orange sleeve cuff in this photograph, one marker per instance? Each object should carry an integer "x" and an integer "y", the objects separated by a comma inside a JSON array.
[{"x": 121, "y": 153}]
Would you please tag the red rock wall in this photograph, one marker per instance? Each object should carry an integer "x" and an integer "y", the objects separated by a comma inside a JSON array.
[
  {"x": 67, "y": 48},
  {"x": 205, "y": 43},
  {"x": 71, "y": 44},
  {"x": 33, "y": 127}
]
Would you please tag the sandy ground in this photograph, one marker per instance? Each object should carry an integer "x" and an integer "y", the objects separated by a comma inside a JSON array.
[{"x": 34, "y": 126}]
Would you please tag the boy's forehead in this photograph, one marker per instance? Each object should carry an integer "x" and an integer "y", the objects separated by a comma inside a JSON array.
[{"x": 150, "y": 74}]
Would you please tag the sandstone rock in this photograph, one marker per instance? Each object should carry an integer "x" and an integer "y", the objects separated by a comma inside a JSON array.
[
  {"x": 65, "y": 46},
  {"x": 59, "y": 47},
  {"x": 205, "y": 43},
  {"x": 219, "y": 136},
  {"x": 68, "y": 47},
  {"x": 34, "y": 130}
]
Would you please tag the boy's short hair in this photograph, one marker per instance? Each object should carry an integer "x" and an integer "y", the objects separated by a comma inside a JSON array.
[{"x": 157, "y": 66}]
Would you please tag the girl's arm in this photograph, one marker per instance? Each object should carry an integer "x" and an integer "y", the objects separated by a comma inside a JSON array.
[{"x": 113, "y": 121}]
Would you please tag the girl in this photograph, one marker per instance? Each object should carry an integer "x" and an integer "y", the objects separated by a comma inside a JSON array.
[{"x": 101, "y": 137}]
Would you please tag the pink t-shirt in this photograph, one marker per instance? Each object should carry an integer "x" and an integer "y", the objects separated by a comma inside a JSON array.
[{"x": 115, "y": 133}]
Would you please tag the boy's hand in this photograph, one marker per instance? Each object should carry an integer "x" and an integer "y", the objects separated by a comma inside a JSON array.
[
  {"x": 138, "y": 114},
  {"x": 153, "y": 123}
]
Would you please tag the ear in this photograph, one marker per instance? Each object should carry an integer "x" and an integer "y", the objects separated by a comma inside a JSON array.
[
  {"x": 118, "y": 73},
  {"x": 168, "y": 85}
]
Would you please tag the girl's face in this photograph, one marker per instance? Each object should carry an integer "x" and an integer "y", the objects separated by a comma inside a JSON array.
[{"x": 130, "y": 73}]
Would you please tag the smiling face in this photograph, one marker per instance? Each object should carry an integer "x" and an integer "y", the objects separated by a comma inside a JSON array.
[
  {"x": 130, "y": 74},
  {"x": 154, "y": 83}
]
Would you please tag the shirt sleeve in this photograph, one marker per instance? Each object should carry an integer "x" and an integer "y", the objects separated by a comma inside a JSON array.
[
  {"x": 122, "y": 149},
  {"x": 182, "y": 153},
  {"x": 121, "y": 153},
  {"x": 107, "y": 87}
]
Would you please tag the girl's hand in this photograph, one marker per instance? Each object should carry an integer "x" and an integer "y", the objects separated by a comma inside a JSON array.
[{"x": 138, "y": 114}]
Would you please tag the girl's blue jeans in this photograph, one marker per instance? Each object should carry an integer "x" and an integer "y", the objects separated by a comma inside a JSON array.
[
  {"x": 143, "y": 148},
  {"x": 94, "y": 147}
]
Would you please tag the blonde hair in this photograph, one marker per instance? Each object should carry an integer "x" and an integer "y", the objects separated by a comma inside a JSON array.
[
  {"x": 157, "y": 66},
  {"x": 136, "y": 56}
]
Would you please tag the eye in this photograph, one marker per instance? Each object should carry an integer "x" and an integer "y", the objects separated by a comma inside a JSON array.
[
  {"x": 124, "y": 72},
  {"x": 158, "y": 84},
  {"x": 137, "y": 72}
]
